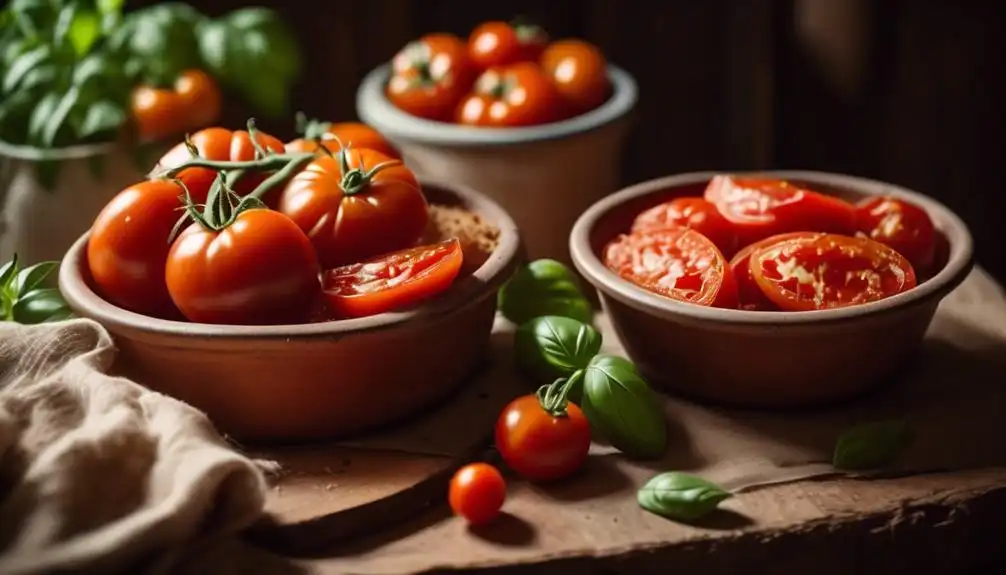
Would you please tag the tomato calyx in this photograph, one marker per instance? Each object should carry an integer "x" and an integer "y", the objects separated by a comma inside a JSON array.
[
  {"x": 355, "y": 180},
  {"x": 527, "y": 31},
  {"x": 310, "y": 128},
  {"x": 495, "y": 85},
  {"x": 554, "y": 397}
]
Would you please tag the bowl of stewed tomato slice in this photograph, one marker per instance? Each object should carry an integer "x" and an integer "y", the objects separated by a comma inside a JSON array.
[
  {"x": 535, "y": 122},
  {"x": 771, "y": 289}
]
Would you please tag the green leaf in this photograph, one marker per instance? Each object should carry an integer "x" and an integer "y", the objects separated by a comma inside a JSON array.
[
  {"x": 84, "y": 30},
  {"x": 103, "y": 116},
  {"x": 33, "y": 277},
  {"x": 57, "y": 120},
  {"x": 680, "y": 496},
  {"x": 24, "y": 64},
  {"x": 550, "y": 347},
  {"x": 40, "y": 117},
  {"x": 605, "y": 360},
  {"x": 39, "y": 306},
  {"x": 870, "y": 445},
  {"x": 623, "y": 409},
  {"x": 8, "y": 272},
  {"x": 110, "y": 6},
  {"x": 160, "y": 40},
  {"x": 543, "y": 287}
]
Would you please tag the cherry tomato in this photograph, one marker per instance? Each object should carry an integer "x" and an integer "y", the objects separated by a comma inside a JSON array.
[
  {"x": 516, "y": 95},
  {"x": 219, "y": 144},
  {"x": 681, "y": 264},
  {"x": 750, "y": 296},
  {"x": 501, "y": 43},
  {"x": 356, "y": 205},
  {"x": 580, "y": 72},
  {"x": 393, "y": 281},
  {"x": 538, "y": 445},
  {"x": 350, "y": 134},
  {"x": 760, "y": 208},
  {"x": 901, "y": 225},
  {"x": 260, "y": 270},
  {"x": 192, "y": 103},
  {"x": 430, "y": 76},
  {"x": 128, "y": 247},
  {"x": 695, "y": 213},
  {"x": 821, "y": 271},
  {"x": 477, "y": 492}
]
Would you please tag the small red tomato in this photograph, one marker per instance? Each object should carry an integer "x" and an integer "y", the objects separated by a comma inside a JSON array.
[
  {"x": 901, "y": 225},
  {"x": 477, "y": 492},
  {"x": 511, "y": 96},
  {"x": 751, "y": 297},
  {"x": 430, "y": 76},
  {"x": 693, "y": 213},
  {"x": 539, "y": 445},
  {"x": 580, "y": 72},
  {"x": 501, "y": 43}
]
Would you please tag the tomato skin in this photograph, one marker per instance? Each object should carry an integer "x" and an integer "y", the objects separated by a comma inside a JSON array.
[
  {"x": 219, "y": 144},
  {"x": 901, "y": 225},
  {"x": 430, "y": 76},
  {"x": 694, "y": 213},
  {"x": 128, "y": 247},
  {"x": 648, "y": 259},
  {"x": 193, "y": 102},
  {"x": 512, "y": 96},
  {"x": 750, "y": 295},
  {"x": 350, "y": 134},
  {"x": 477, "y": 492},
  {"x": 261, "y": 270},
  {"x": 824, "y": 271},
  {"x": 538, "y": 445},
  {"x": 393, "y": 281},
  {"x": 498, "y": 43},
  {"x": 389, "y": 215},
  {"x": 579, "y": 71}
]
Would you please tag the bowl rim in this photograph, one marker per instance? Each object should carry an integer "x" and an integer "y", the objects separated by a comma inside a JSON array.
[
  {"x": 958, "y": 266},
  {"x": 374, "y": 108},
  {"x": 489, "y": 276}
]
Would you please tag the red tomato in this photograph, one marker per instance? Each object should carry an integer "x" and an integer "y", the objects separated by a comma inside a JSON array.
[
  {"x": 538, "y": 445},
  {"x": 749, "y": 293},
  {"x": 260, "y": 270},
  {"x": 901, "y": 225},
  {"x": 579, "y": 71},
  {"x": 516, "y": 95},
  {"x": 501, "y": 43},
  {"x": 430, "y": 76},
  {"x": 823, "y": 271},
  {"x": 352, "y": 212},
  {"x": 218, "y": 144},
  {"x": 393, "y": 281},
  {"x": 128, "y": 247},
  {"x": 193, "y": 102},
  {"x": 349, "y": 134},
  {"x": 681, "y": 264},
  {"x": 693, "y": 213},
  {"x": 477, "y": 492},
  {"x": 760, "y": 208}
]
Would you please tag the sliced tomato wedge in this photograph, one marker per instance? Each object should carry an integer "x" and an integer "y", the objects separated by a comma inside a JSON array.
[
  {"x": 681, "y": 264},
  {"x": 823, "y": 271},
  {"x": 393, "y": 281},
  {"x": 760, "y": 208},
  {"x": 694, "y": 213},
  {"x": 749, "y": 293},
  {"x": 901, "y": 225}
]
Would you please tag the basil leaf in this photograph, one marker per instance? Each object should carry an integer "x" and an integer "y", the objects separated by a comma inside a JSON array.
[
  {"x": 24, "y": 64},
  {"x": 621, "y": 408},
  {"x": 870, "y": 445},
  {"x": 605, "y": 360},
  {"x": 39, "y": 306},
  {"x": 40, "y": 117},
  {"x": 33, "y": 277},
  {"x": 161, "y": 39},
  {"x": 110, "y": 6},
  {"x": 84, "y": 30},
  {"x": 550, "y": 347},
  {"x": 8, "y": 272},
  {"x": 57, "y": 120},
  {"x": 102, "y": 117},
  {"x": 543, "y": 287},
  {"x": 680, "y": 496}
]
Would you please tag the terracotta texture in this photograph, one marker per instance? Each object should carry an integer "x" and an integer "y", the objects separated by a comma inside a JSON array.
[
  {"x": 321, "y": 380},
  {"x": 764, "y": 359},
  {"x": 544, "y": 176}
]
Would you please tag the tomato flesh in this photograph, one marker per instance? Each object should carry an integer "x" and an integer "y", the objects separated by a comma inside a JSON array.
[
  {"x": 901, "y": 225},
  {"x": 538, "y": 445},
  {"x": 476, "y": 493},
  {"x": 824, "y": 271},
  {"x": 750, "y": 295},
  {"x": 694, "y": 213},
  {"x": 393, "y": 281},
  {"x": 681, "y": 264}
]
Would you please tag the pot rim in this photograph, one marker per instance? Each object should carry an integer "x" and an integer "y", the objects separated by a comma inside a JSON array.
[
  {"x": 76, "y": 152},
  {"x": 374, "y": 108}
]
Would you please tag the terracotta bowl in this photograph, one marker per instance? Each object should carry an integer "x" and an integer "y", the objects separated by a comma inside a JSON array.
[
  {"x": 764, "y": 359},
  {"x": 320, "y": 380},
  {"x": 544, "y": 176}
]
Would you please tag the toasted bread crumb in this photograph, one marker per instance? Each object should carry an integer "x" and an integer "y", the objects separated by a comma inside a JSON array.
[{"x": 478, "y": 238}]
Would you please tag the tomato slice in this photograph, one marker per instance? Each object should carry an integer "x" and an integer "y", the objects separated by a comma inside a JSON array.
[
  {"x": 824, "y": 271},
  {"x": 760, "y": 208},
  {"x": 393, "y": 281},
  {"x": 681, "y": 264},
  {"x": 901, "y": 225},
  {"x": 749, "y": 293},
  {"x": 695, "y": 213}
]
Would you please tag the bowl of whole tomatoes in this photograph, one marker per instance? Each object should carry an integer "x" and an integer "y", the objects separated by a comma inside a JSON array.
[
  {"x": 773, "y": 289},
  {"x": 293, "y": 291},
  {"x": 536, "y": 124}
]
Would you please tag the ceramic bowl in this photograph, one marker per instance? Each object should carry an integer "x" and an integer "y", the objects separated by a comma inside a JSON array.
[
  {"x": 764, "y": 359},
  {"x": 320, "y": 380},
  {"x": 544, "y": 176}
]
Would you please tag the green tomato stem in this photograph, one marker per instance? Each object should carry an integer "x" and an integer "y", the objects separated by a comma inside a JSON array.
[
  {"x": 355, "y": 180},
  {"x": 266, "y": 164},
  {"x": 295, "y": 165},
  {"x": 554, "y": 397}
]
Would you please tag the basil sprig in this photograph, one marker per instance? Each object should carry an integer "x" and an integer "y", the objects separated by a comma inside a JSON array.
[
  {"x": 680, "y": 496},
  {"x": 27, "y": 295},
  {"x": 870, "y": 445},
  {"x": 551, "y": 347},
  {"x": 543, "y": 287},
  {"x": 622, "y": 408}
]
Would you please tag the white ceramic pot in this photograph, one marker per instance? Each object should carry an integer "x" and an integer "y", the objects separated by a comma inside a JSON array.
[{"x": 544, "y": 176}]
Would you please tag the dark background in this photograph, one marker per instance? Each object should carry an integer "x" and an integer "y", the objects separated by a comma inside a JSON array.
[{"x": 906, "y": 91}]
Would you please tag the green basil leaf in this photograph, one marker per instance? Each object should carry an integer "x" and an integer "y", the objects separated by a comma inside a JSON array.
[
  {"x": 41, "y": 77},
  {"x": 8, "y": 272},
  {"x": 550, "y": 347},
  {"x": 39, "y": 306},
  {"x": 33, "y": 277},
  {"x": 57, "y": 120},
  {"x": 543, "y": 287},
  {"x": 15, "y": 113},
  {"x": 870, "y": 445},
  {"x": 680, "y": 496},
  {"x": 102, "y": 117},
  {"x": 162, "y": 39},
  {"x": 24, "y": 64},
  {"x": 605, "y": 360},
  {"x": 110, "y": 6},
  {"x": 84, "y": 30},
  {"x": 40, "y": 117},
  {"x": 623, "y": 409}
]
